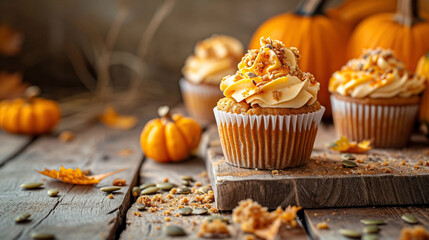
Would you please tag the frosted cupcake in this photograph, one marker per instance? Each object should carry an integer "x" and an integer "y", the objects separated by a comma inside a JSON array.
[
  {"x": 269, "y": 116},
  {"x": 374, "y": 97},
  {"x": 214, "y": 58}
]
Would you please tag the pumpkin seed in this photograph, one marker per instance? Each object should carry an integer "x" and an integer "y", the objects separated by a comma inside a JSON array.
[
  {"x": 31, "y": 185},
  {"x": 214, "y": 217},
  {"x": 350, "y": 233},
  {"x": 149, "y": 190},
  {"x": 53, "y": 192},
  {"x": 136, "y": 191},
  {"x": 409, "y": 218},
  {"x": 186, "y": 183},
  {"x": 185, "y": 211},
  {"x": 186, "y": 178},
  {"x": 183, "y": 190},
  {"x": 22, "y": 217},
  {"x": 370, "y": 237},
  {"x": 372, "y": 221},
  {"x": 42, "y": 235},
  {"x": 172, "y": 230},
  {"x": 165, "y": 186},
  {"x": 110, "y": 189},
  {"x": 348, "y": 156},
  {"x": 204, "y": 189},
  {"x": 146, "y": 185},
  {"x": 199, "y": 211},
  {"x": 349, "y": 164},
  {"x": 141, "y": 206},
  {"x": 371, "y": 229}
]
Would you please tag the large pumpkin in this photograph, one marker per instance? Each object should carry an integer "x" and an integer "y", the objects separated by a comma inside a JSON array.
[
  {"x": 321, "y": 40},
  {"x": 30, "y": 115},
  {"x": 170, "y": 138},
  {"x": 423, "y": 70},
  {"x": 404, "y": 32}
]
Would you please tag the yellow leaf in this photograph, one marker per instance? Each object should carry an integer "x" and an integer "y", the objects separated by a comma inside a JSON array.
[
  {"x": 112, "y": 119},
  {"x": 75, "y": 176},
  {"x": 345, "y": 146}
]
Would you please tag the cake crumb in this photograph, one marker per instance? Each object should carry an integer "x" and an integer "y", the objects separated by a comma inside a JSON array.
[
  {"x": 360, "y": 161},
  {"x": 173, "y": 191},
  {"x": 111, "y": 196},
  {"x": 322, "y": 225},
  {"x": 416, "y": 166},
  {"x": 213, "y": 210},
  {"x": 403, "y": 163},
  {"x": 177, "y": 215},
  {"x": 198, "y": 184},
  {"x": 158, "y": 227},
  {"x": 138, "y": 214},
  {"x": 184, "y": 201},
  {"x": 275, "y": 172},
  {"x": 203, "y": 174},
  {"x": 119, "y": 182},
  {"x": 385, "y": 163},
  {"x": 420, "y": 163},
  {"x": 66, "y": 136},
  {"x": 414, "y": 233},
  {"x": 167, "y": 219},
  {"x": 216, "y": 228},
  {"x": 165, "y": 179}
]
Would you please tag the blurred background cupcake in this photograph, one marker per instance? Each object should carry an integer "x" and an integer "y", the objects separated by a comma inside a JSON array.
[
  {"x": 374, "y": 97},
  {"x": 213, "y": 58}
]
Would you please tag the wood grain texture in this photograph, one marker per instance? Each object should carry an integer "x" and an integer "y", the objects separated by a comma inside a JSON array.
[
  {"x": 79, "y": 212},
  {"x": 11, "y": 145},
  {"x": 383, "y": 177},
  {"x": 349, "y": 218}
]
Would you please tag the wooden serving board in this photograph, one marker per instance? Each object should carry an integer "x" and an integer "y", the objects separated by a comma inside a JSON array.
[{"x": 383, "y": 177}]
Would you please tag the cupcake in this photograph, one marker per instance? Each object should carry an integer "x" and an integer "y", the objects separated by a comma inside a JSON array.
[
  {"x": 374, "y": 97},
  {"x": 213, "y": 58},
  {"x": 269, "y": 116}
]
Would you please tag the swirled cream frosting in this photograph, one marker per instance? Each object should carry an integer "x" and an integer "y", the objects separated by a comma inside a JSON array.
[
  {"x": 213, "y": 58},
  {"x": 376, "y": 74},
  {"x": 270, "y": 77}
]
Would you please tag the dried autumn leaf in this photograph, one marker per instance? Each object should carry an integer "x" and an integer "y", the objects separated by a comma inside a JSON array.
[
  {"x": 345, "y": 146},
  {"x": 75, "y": 176},
  {"x": 11, "y": 85},
  {"x": 112, "y": 119},
  {"x": 10, "y": 40}
]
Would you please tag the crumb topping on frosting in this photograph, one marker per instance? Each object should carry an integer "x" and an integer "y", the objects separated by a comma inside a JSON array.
[{"x": 270, "y": 77}]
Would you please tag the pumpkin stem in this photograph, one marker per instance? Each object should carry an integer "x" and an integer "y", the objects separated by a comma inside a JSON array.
[
  {"x": 32, "y": 92},
  {"x": 164, "y": 112},
  {"x": 310, "y": 7},
  {"x": 407, "y": 12}
]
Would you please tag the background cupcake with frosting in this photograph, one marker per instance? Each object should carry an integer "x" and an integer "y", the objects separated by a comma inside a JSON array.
[
  {"x": 269, "y": 116},
  {"x": 374, "y": 97},
  {"x": 213, "y": 58}
]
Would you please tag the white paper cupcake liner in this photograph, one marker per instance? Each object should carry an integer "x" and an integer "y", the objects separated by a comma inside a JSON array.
[
  {"x": 200, "y": 99},
  {"x": 385, "y": 125},
  {"x": 267, "y": 141}
]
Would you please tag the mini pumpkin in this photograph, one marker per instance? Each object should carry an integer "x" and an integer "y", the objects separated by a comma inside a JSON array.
[
  {"x": 170, "y": 138},
  {"x": 423, "y": 70},
  {"x": 30, "y": 115}
]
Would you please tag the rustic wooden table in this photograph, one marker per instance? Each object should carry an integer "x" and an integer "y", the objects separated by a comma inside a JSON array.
[{"x": 84, "y": 212}]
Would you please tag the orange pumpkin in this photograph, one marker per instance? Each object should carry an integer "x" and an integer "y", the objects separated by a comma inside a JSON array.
[
  {"x": 321, "y": 40},
  {"x": 403, "y": 32},
  {"x": 423, "y": 70},
  {"x": 170, "y": 138},
  {"x": 30, "y": 115}
]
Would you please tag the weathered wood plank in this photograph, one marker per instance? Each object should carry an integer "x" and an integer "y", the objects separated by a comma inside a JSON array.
[
  {"x": 11, "y": 145},
  {"x": 349, "y": 218},
  {"x": 383, "y": 177},
  {"x": 79, "y": 212}
]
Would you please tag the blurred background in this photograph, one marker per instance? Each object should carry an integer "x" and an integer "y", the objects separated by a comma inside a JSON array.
[{"x": 62, "y": 44}]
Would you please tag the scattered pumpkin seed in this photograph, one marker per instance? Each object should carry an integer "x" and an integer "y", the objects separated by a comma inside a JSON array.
[
  {"x": 146, "y": 185},
  {"x": 149, "y": 190},
  {"x": 214, "y": 217},
  {"x": 53, "y": 192},
  {"x": 172, "y": 230},
  {"x": 186, "y": 178},
  {"x": 186, "y": 183},
  {"x": 371, "y": 229},
  {"x": 42, "y": 235},
  {"x": 409, "y": 218},
  {"x": 22, "y": 217},
  {"x": 199, "y": 211},
  {"x": 350, "y": 233},
  {"x": 141, "y": 206},
  {"x": 183, "y": 190},
  {"x": 136, "y": 191},
  {"x": 165, "y": 186},
  {"x": 31, "y": 185},
  {"x": 110, "y": 189},
  {"x": 185, "y": 211},
  {"x": 370, "y": 237},
  {"x": 348, "y": 156},
  {"x": 372, "y": 221},
  {"x": 204, "y": 189},
  {"x": 349, "y": 164}
]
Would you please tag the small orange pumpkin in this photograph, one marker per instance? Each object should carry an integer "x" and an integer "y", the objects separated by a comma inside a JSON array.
[
  {"x": 31, "y": 115},
  {"x": 170, "y": 138},
  {"x": 404, "y": 32},
  {"x": 321, "y": 41},
  {"x": 423, "y": 70}
]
